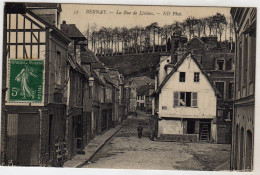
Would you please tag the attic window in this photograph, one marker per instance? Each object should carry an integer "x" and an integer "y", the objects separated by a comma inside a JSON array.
[
  {"x": 196, "y": 77},
  {"x": 220, "y": 64},
  {"x": 182, "y": 76},
  {"x": 168, "y": 61}
]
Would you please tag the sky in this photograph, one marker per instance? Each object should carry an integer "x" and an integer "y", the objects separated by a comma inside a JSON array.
[{"x": 84, "y": 15}]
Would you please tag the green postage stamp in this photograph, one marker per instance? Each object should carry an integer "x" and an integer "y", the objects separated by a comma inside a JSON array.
[{"x": 25, "y": 81}]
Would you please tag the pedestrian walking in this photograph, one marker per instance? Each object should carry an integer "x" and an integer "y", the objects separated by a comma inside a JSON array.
[{"x": 140, "y": 130}]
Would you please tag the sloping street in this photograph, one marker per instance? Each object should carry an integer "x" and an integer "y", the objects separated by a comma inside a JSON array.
[{"x": 126, "y": 150}]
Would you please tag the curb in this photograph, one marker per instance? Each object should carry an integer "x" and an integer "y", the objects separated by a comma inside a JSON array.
[{"x": 99, "y": 147}]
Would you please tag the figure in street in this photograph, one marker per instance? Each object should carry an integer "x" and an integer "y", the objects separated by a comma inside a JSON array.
[{"x": 140, "y": 130}]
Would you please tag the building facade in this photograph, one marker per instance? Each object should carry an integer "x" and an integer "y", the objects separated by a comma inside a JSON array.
[
  {"x": 191, "y": 114},
  {"x": 217, "y": 59},
  {"x": 35, "y": 101},
  {"x": 244, "y": 106}
]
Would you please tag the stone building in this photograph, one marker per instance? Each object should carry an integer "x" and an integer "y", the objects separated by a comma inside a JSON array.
[{"x": 244, "y": 106}]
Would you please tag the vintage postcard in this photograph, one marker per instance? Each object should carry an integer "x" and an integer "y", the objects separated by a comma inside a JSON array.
[{"x": 147, "y": 87}]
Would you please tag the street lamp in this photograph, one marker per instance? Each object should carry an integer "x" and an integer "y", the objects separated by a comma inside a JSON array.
[{"x": 91, "y": 81}]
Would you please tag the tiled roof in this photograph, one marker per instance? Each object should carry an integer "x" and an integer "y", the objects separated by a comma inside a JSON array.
[
  {"x": 72, "y": 31},
  {"x": 107, "y": 78},
  {"x": 77, "y": 67},
  {"x": 55, "y": 29},
  {"x": 144, "y": 90}
]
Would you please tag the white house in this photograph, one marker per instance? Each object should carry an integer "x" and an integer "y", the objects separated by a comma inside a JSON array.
[{"x": 186, "y": 102}]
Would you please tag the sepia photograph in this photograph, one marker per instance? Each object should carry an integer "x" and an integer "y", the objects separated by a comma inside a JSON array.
[{"x": 113, "y": 86}]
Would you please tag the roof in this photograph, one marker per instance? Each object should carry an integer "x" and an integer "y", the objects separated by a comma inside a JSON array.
[
  {"x": 72, "y": 31},
  {"x": 54, "y": 29},
  {"x": 44, "y": 6},
  {"x": 140, "y": 81},
  {"x": 87, "y": 56},
  {"x": 178, "y": 64},
  {"x": 144, "y": 90},
  {"x": 77, "y": 67},
  {"x": 107, "y": 78}
]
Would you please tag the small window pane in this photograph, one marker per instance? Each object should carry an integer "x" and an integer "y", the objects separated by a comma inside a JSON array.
[
  {"x": 196, "y": 77},
  {"x": 182, "y": 76}
]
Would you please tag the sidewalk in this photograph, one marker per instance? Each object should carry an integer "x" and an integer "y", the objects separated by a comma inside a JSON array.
[{"x": 92, "y": 148}]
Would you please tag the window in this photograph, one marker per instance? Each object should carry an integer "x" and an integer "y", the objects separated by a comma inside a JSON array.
[
  {"x": 187, "y": 99},
  {"x": 220, "y": 64},
  {"x": 182, "y": 76},
  {"x": 58, "y": 68},
  {"x": 196, "y": 77},
  {"x": 220, "y": 87}
]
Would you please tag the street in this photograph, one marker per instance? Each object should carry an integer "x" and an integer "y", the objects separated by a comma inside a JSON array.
[{"x": 125, "y": 150}]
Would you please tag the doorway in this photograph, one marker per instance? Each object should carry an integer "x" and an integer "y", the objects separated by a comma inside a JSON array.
[
  {"x": 190, "y": 126},
  {"x": 23, "y": 131}
]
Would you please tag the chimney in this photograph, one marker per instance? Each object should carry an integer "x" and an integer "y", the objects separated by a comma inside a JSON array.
[
  {"x": 175, "y": 43},
  {"x": 50, "y": 12}
]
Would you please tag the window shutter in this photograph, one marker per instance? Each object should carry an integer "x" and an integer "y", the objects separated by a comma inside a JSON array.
[
  {"x": 194, "y": 99},
  {"x": 176, "y": 99}
]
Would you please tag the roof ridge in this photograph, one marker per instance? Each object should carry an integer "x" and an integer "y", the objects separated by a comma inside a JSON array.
[{"x": 178, "y": 65}]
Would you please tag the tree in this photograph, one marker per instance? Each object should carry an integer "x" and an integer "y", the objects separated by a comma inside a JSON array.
[
  {"x": 152, "y": 28},
  {"x": 191, "y": 22},
  {"x": 166, "y": 32},
  {"x": 219, "y": 21}
]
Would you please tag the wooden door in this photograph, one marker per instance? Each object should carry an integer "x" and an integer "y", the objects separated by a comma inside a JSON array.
[{"x": 28, "y": 139}]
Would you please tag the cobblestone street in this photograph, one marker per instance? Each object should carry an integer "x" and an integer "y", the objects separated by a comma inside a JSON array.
[{"x": 126, "y": 150}]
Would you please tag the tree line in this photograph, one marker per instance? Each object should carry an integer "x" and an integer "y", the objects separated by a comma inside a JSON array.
[{"x": 154, "y": 38}]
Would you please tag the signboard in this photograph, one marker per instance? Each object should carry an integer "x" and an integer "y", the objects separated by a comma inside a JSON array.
[{"x": 25, "y": 80}]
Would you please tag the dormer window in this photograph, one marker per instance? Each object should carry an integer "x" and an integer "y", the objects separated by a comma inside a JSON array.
[
  {"x": 182, "y": 77},
  {"x": 220, "y": 64}
]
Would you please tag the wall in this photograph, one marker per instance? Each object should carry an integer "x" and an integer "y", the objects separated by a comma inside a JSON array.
[
  {"x": 54, "y": 86},
  {"x": 162, "y": 73},
  {"x": 170, "y": 127},
  {"x": 243, "y": 118}
]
